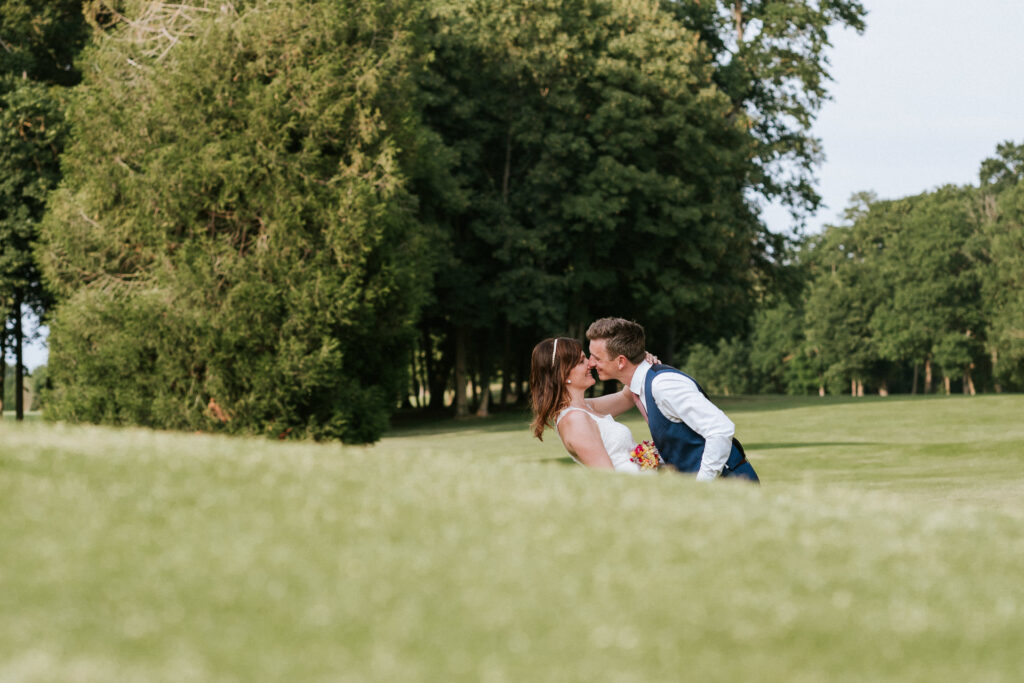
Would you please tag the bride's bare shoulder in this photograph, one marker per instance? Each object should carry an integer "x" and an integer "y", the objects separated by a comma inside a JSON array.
[{"x": 575, "y": 422}]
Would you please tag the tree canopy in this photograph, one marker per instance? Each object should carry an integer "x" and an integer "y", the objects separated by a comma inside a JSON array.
[
  {"x": 38, "y": 43},
  {"x": 234, "y": 243},
  {"x": 291, "y": 217}
]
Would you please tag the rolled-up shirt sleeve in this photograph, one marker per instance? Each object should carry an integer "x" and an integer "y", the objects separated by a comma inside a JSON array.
[{"x": 679, "y": 399}]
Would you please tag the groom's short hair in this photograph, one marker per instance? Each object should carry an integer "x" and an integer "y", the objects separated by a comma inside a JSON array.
[{"x": 621, "y": 337}]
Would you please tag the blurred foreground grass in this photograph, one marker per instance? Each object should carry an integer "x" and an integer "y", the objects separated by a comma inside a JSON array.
[{"x": 884, "y": 544}]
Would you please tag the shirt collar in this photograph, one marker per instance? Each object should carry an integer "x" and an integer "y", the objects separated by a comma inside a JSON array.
[{"x": 636, "y": 385}]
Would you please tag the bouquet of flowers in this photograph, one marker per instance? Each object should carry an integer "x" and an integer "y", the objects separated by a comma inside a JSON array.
[{"x": 646, "y": 456}]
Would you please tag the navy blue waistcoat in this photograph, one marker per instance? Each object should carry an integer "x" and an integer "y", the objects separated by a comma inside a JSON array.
[{"x": 679, "y": 445}]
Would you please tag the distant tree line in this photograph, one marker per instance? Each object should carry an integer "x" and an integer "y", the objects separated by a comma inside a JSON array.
[
  {"x": 291, "y": 216},
  {"x": 915, "y": 295}
]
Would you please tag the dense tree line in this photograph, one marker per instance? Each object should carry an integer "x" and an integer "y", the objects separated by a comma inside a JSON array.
[
  {"x": 918, "y": 294},
  {"x": 286, "y": 216},
  {"x": 615, "y": 157}
]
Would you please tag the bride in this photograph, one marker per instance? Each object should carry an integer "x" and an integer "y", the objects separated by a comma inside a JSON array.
[{"x": 560, "y": 374}]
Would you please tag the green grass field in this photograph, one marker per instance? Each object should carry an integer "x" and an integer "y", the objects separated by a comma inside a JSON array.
[{"x": 885, "y": 543}]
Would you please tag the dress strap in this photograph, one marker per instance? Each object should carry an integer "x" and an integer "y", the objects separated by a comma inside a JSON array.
[{"x": 567, "y": 409}]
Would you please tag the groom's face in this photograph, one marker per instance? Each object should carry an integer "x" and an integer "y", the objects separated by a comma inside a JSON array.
[{"x": 607, "y": 367}]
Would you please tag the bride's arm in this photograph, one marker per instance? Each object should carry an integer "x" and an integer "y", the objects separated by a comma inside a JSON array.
[
  {"x": 581, "y": 437},
  {"x": 612, "y": 404}
]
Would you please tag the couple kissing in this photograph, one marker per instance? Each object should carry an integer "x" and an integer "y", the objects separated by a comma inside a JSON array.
[{"x": 690, "y": 432}]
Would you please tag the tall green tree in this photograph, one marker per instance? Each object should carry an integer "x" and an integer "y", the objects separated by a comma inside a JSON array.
[
  {"x": 235, "y": 243},
  {"x": 38, "y": 43},
  {"x": 780, "y": 356},
  {"x": 772, "y": 62},
  {"x": 843, "y": 297},
  {"x": 603, "y": 172},
  {"x": 31, "y": 138},
  {"x": 1001, "y": 210},
  {"x": 900, "y": 285},
  {"x": 925, "y": 251}
]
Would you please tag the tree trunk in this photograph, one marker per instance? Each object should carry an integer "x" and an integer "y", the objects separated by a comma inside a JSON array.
[
  {"x": 485, "y": 396},
  {"x": 853, "y": 387},
  {"x": 927, "y": 375},
  {"x": 3, "y": 364},
  {"x": 913, "y": 387},
  {"x": 860, "y": 388},
  {"x": 414, "y": 376},
  {"x": 969, "y": 383},
  {"x": 424, "y": 380},
  {"x": 995, "y": 360},
  {"x": 821, "y": 390},
  {"x": 523, "y": 388},
  {"x": 884, "y": 389},
  {"x": 945, "y": 380},
  {"x": 19, "y": 368},
  {"x": 508, "y": 167},
  {"x": 668, "y": 355},
  {"x": 437, "y": 376},
  {"x": 737, "y": 15},
  {"x": 461, "y": 407},
  {"x": 506, "y": 366}
]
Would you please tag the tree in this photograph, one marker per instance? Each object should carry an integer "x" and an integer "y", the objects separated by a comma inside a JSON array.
[
  {"x": 38, "y": 41},
  {"x": 1001, "y": 212},
  {"x": 899, "y": 284},
  {"x": 724, "y": 370},
  {"x": 926, "y": 261},
  {"x": 843, "y": 296},
  {"x": 235, "y": 243},
  {"x": 1005, "y": 170},
  {"x": 779, "y": 353},
  {"x": 31, "y": 138},
  {"x": 600, "y": 170},
  {"x": 773, "y": 64}
]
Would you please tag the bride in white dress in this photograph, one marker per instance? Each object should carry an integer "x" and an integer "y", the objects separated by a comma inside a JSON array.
[{"x": 560, "y": 375}]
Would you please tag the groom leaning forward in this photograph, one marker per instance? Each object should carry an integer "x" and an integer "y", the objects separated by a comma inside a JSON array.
[{"x": 691, "y": 433}]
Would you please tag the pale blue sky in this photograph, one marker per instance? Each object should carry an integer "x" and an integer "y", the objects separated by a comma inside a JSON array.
[{"x": 919, "y": 100}]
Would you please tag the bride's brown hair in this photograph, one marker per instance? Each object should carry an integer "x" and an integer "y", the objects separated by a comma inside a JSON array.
[{"x": 552, "y": 360}]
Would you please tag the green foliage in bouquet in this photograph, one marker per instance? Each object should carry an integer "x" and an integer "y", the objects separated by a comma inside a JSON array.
[{"x": 234, "y": 245}]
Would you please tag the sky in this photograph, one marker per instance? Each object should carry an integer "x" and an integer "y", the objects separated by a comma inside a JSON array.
[{"x": 918, "y": 101}]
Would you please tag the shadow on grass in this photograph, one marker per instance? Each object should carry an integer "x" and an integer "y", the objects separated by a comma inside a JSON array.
[
  {"x": 564, "y": 460},
  {"x": 422, "y": 424},
  {"x": 512, "y": 419},
  {"x": 810, "y": 444},
  {"x": 768, "y": 402},
  {"x": 30, "y": 416}
]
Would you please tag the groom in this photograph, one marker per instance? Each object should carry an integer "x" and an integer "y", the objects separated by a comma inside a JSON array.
[{"x": 691, "y": 433}]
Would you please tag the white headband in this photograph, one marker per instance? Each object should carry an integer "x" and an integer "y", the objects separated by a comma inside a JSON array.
[{"x": 553, "y": 350}]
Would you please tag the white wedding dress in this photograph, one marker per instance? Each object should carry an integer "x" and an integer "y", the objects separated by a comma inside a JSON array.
[{"x": 616, "y": 437}]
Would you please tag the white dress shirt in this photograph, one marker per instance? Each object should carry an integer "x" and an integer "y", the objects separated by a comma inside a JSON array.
[{"x": 679, "y": 399}]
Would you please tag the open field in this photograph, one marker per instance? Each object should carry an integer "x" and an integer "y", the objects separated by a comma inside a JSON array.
[{"x": 886, "y": 543}]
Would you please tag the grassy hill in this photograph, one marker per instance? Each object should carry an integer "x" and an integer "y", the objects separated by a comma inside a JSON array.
[{"x": 884, "y": 544}]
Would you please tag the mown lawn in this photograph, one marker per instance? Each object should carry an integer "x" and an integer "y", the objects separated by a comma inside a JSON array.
[{"x": 884, "y": 544}]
